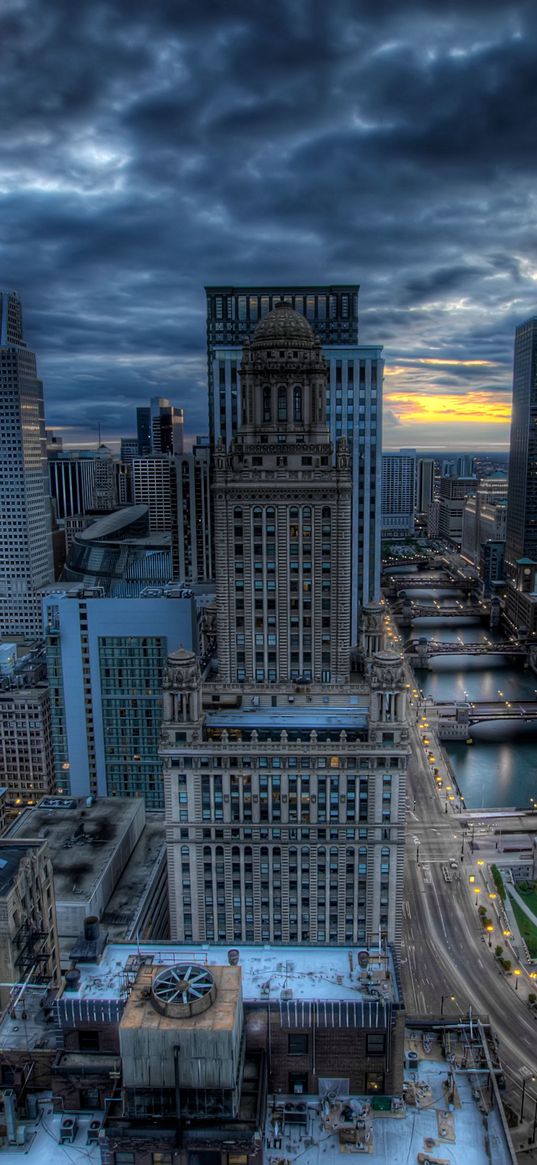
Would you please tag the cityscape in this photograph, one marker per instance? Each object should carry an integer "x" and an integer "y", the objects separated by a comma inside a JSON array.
[{"x": 268, "y": 588}]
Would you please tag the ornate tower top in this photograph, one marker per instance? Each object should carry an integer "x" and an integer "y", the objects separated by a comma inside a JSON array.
[
  {"x": 283, "y": 326},
  {"x": 283, "y": 381}
]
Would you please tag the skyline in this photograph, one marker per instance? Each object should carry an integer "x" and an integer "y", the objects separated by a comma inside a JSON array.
[{"x": 149, "y": 156}]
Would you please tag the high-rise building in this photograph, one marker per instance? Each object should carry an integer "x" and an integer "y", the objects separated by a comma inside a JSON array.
[
  {"x": 398, "y": 493},
  {"x": 453, "y": 494},
  {"x": 176, "y": 491},
  {"x": 353, "y": 398},
  {"x": 284, "y": 778},
  {"x": 26, "y": 560},
  {"x": 424, "y": 484},
  {"x": 106, "y": 660},
  {"x": 26, "y": 756},
  {"x": 521, "y": 534},
  {"x": 159, "y": 428},
  {"x": 82, "y": 480}
]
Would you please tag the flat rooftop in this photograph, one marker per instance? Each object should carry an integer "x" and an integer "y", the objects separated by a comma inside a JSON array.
[
  {"x": 471, "y": 1131},
  {"x": 81, "y": 838},
  {"x": 123, "y": 906},
  {"x": 301, "y": 973},
  {"x": 292, "y": 717}
]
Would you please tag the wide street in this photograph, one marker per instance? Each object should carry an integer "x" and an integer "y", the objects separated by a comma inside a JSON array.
[{"x": 444, "y": 954}]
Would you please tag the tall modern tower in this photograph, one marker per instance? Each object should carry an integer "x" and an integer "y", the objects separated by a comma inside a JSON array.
[
  {"x": 521, "y": 535},
  {"x": 353, "y": 398},
  {"x": 285, "y": 777},
  {"x": 26, "y": 561}
]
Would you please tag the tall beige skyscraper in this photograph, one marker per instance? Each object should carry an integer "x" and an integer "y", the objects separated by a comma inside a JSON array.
[
  {"x": 285, "y": 776},
  {"x": 26, "y": 562},
  {"x": 283, "y": 518}
]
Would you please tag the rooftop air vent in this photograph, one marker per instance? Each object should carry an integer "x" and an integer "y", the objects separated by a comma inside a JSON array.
[{"x": 183, "y": 990}]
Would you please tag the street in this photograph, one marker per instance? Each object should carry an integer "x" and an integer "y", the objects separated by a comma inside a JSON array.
[{"x": 446, "y": 966}]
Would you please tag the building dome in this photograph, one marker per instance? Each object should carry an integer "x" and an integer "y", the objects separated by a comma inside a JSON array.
[{"x": 283, "y": 327}]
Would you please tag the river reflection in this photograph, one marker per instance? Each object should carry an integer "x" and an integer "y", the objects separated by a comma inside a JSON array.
[{"x": 499, "y": 769}]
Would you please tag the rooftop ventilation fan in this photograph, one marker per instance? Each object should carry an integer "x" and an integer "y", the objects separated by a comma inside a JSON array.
[{"x": 183, "y": 990}]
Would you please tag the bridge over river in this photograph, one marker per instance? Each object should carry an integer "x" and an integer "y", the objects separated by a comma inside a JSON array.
[{"x": 421, "y": 651}]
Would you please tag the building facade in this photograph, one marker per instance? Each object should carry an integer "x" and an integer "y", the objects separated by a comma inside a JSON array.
[
  {"x": 353, "y": 399},
  {"x": 521, "y": 535},
  {"x": 26, "y": 559},
  {"x": 425, "y": 471},
  {"x": 453, "y": 494},
  {"x": 284, "y": 781},
  {"x": 26, "y": 755},
  {"x": 398, "y": 493},
  {"x": 106, "y": 660},
  {"x": 29, "y": 947}
]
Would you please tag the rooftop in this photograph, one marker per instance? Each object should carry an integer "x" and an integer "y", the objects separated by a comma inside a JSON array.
[
  {"x": 123, "y": 906},
  {"x": 428, "y": 1127},
  {"x": 81, "y": 838},
  {"x": 300, "y": 973}
]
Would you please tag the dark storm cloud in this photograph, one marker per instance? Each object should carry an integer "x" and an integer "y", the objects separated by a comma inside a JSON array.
[{"x": 149, "y": 149}]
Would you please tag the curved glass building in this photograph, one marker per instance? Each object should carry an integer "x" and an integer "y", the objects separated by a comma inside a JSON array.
[{"x": 119, "y": 554}]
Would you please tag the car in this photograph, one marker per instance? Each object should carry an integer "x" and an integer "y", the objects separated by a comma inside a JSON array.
[{"x": 453, "y": 864}]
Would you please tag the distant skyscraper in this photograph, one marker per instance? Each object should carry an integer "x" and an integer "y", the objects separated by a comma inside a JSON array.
[
  {"x": 159, "y": 428},
  {"x": 353, "y": 398},
  {"x": 82, "y": 480},
  {"x": 424, "y": 484},
  {"x": 26, "y": 560},
  {"x": 398, "y": 493},
  {"x": 521, "y": 534}
]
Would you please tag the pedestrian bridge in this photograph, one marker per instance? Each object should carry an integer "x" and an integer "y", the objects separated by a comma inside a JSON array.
[{"x": 425, "y": 649}]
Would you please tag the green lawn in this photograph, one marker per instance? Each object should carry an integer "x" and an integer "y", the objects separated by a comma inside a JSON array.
[
  {"x": 530, "y": 898},
  {"x": 527, "y": 929}
]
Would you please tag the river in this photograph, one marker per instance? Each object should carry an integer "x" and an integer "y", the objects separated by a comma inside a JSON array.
[{"x": 499, "y": 768}]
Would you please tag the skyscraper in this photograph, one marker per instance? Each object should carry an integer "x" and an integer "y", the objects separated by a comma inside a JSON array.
[
  {"x": 424, "y": 484},
  {"x": 521, "y": 534},
  {"x": 26, "y": 561},
  {"x": 159, "y": 427},
  {"x": 285, "y": 778},
  {"x": 398, "y": 493},
  {"x": 353, "y": 398}
]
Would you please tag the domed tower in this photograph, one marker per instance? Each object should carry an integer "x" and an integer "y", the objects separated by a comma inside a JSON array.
[
  {"x": 283, "y": 518},
  {"x": 283, "y": 379}
]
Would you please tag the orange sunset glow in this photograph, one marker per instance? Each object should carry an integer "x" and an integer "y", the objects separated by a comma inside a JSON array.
[{"x": 479, "y": 407}]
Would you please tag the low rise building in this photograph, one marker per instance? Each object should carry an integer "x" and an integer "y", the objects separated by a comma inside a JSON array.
[
  {"x": 89, "y": 846},
  {"x": 29, "y": 947}
]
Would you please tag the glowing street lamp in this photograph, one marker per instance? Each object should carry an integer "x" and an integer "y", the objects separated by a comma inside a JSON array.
[
  {"x": 517, "y": 973},
  {"x": 477, "y": 891}
]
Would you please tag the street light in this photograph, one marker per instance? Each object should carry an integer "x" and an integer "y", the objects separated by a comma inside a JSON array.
[
  {"x": 490, "y": 932},
  {"x": 526, "y": 1075},
  {"x": 517, "y": 973},
  {"x": 506, "y": 933},
  {"x": 442, "y": 998},
  {"x": 477, "y": 892}
]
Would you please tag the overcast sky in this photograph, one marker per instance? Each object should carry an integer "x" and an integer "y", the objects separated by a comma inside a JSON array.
[{"x": 150, "y": 148}]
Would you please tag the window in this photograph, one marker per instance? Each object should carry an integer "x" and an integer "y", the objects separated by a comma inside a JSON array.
[
  {"x": 124, "y": 1157},
  {"x": 376, "y": 1044},
  {"x": 297, "y": 403},
  {"x": 237, "y": 1159},
  {"x": 282, "y": 403},
  {"x": 162, "y": 1158},
  {"x": 297, "y": 1044},
  {"x": 374, "y": 1082},
  {"x": 267, "y": 409},
  {"x": 88, "y": 1041}
]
